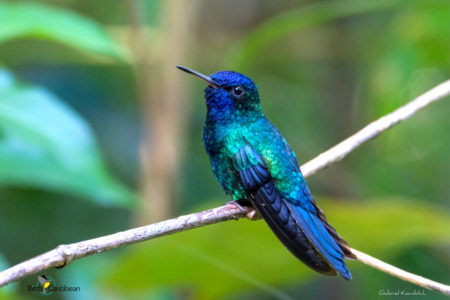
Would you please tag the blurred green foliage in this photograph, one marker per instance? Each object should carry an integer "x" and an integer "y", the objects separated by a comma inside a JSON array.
[
  {"x": 324, "y": 69},
  {"x": 44, "y": 143},
  {"x": 291, "y": 21},
  {"x": 35, "y": 20}
]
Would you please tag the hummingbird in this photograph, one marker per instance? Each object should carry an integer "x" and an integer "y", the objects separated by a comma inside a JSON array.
[{"x": 255, "y": 165}]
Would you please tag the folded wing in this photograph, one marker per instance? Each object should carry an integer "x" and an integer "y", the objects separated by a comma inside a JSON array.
[{"x": 299, "y": 224}]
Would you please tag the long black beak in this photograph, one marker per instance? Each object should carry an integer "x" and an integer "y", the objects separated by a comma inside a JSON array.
[{"x": 205, "y": 78}]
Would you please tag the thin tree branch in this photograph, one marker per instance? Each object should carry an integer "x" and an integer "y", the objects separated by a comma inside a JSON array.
[
  {"x": 399, "y": 273},
  {"x": 338, "y": 152},
  {"x": 65, "y": 254}
]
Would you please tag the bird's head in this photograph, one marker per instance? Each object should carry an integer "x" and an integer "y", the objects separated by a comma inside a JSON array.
[{"x": 229, "y": 91}]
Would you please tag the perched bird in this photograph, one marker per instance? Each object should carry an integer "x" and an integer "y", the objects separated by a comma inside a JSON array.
[{"x": 253, "y": 162}]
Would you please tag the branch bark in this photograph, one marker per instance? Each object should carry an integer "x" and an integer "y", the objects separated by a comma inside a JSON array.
[{"x": 65, "y": 254}]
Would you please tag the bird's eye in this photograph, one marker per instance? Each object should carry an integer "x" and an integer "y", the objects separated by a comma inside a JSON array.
[{"x": 238, "y": 91}]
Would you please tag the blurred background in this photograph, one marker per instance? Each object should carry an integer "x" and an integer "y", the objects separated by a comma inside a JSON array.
[{"x": 99, "y": 132}]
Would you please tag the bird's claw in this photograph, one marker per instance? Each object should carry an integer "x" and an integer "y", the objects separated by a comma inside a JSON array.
[
  {"x": 253, "y": 215},
  {"x": 250, "y": 212},
  {"x": 235, "y": 203}
]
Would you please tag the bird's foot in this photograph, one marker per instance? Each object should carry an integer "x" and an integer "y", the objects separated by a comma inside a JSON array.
[
  {"x": 253, "y": 215},
  {"x": 246, "y": 208},
  {"x": 236, "y": 203}
]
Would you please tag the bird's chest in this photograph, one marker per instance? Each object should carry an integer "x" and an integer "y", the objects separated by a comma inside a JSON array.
[
  {"x": 224, "y": 141},
  {"x": 222, "y": 144}
]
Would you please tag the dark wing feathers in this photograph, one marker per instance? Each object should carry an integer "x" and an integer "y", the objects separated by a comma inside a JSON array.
[
  {"x": 275, "y": 212},
  {"x": 301, "y": 226},
  {"x": 251, "y": 168}
]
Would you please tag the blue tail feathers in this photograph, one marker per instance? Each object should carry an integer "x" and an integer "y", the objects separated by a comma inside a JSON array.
[{"x": 301, "y": 232}]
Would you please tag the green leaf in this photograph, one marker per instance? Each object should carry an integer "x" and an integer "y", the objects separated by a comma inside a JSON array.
[
  {"x": 36, "y": 20},
  {"x": 45, "y": 144},
  {"x": 245, "y": 257}
]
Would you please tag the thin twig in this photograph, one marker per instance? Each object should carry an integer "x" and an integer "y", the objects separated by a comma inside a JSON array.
[
  {"x": 338, "y": 152},
  {"x": 65, "y": 254},
  {"x": 399, "y": 273}
]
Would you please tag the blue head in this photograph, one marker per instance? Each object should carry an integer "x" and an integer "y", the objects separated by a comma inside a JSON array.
[{"x": 229, "y": 94}]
